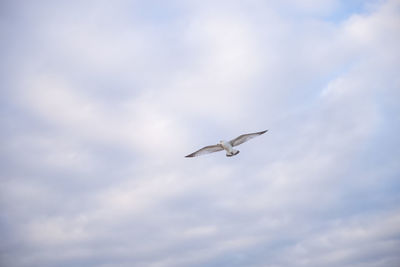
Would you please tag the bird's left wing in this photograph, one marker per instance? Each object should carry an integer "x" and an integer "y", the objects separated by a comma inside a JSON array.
[
  {"x": 205, "y": 150},
  {"x": 245, "y": 137}
]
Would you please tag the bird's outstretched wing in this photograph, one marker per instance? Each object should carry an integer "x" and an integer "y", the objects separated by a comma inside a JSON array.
[
  {"x": 206, "y": 150},
  {"x": 245, "y": 137}
]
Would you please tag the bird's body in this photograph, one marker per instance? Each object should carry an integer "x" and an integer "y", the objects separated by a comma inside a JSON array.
[
  {"x": 230, "y": 151},
  {"x": 227, "y": 146}
]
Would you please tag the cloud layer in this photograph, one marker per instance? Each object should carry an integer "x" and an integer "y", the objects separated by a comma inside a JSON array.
[{"x": 101, "y": 101}]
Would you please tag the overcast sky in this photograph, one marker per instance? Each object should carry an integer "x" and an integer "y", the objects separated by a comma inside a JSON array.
[{"x": 101, "y": 100}]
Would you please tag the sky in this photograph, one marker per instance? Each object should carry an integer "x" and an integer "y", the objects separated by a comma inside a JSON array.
[{"x": 101, "y": 100}]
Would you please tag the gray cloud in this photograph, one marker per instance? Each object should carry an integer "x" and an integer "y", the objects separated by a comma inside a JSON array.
[{"x": 101, "y": 102}]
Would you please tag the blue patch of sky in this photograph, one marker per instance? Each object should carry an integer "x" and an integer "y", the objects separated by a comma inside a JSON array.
[
  {"x": 339, "y": 12},
  {"x": 348, "y": 8},
  {"x": 155, "y": 12}
]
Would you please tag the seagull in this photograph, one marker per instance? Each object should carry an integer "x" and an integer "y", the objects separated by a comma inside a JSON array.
[{"x": 227, "y": 146}]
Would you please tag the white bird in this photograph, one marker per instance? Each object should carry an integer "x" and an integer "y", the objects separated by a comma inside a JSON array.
[{"x": 227, "y": 146}]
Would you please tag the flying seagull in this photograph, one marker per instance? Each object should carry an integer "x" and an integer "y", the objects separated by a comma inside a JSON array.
[{"x": 228, "y": 146}]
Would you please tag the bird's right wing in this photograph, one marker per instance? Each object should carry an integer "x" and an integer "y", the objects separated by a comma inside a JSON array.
[
  {"x": 206, "y": 150},
  {"x": 245, "y": 137}
]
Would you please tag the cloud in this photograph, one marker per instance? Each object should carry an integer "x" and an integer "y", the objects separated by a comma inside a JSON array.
[
  {"x": 362, "y": 240},
  {"x": 101, "y": 102}
]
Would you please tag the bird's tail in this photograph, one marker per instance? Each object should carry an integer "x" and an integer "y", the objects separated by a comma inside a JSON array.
[{"x": 233, "y": 153}]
